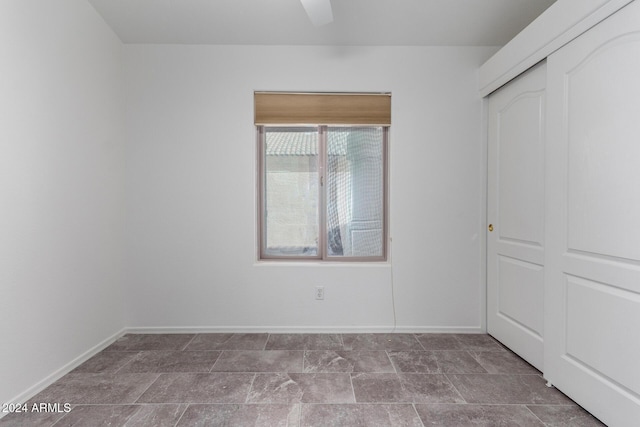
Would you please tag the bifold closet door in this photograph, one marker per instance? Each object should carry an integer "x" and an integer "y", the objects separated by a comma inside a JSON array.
[
  {"x": 592, "y": 267},
  {"x": 515, "y": 212}
]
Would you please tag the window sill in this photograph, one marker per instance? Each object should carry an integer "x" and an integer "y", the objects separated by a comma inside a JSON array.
[{"x": 322, "y": 264}]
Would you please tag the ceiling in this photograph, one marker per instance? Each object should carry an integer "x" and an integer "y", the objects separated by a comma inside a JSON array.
[{"x": 356, "y": 22}]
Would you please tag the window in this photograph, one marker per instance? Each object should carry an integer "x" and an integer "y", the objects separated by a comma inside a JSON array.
[{"x": 322, "y": 191}]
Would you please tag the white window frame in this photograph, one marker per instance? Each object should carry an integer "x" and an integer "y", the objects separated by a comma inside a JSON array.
[{"x": 322, "y": 205}]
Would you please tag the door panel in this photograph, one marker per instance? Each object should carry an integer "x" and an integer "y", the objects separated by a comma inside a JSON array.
[
  {"x": 519, "y": 296},
  {"x": 601, "y": 187},
  {"x": 590, "y": 342},
  {"x": 520, "y": 157},
  {"x": 515, "y": 247},
  {"x": 592, "y": 264}
]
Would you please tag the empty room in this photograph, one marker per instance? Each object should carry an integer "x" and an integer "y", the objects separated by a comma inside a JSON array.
[{"x": 319, "y": 212}]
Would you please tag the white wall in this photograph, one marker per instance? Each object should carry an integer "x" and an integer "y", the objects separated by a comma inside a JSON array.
[
  {"x": 61, "y": 189},
  {"x": 191, "y": 198}
]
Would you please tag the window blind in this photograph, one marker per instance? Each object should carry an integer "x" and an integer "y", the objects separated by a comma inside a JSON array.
[{"x": 285, "y": 108}]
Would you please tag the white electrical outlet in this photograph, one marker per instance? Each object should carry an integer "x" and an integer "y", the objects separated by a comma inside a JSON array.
[{"x": 319, "y": 292}]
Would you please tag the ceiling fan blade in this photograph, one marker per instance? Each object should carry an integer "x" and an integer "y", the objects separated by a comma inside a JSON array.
[{"x": 319, "y": 11}]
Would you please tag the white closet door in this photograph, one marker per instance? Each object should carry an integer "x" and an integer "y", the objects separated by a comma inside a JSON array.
[
  {"x": 592, "y": 267},
  {"x": 515, "y": 240}
]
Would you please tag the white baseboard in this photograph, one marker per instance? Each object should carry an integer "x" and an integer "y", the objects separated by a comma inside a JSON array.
[
  {"x": 440, "y": 329},
  {"x": 303, "y": 329},
  {"x": 59, "y": 373}
]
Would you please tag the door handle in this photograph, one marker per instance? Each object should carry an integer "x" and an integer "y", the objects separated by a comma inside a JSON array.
[{"x": 490, "y": 227}]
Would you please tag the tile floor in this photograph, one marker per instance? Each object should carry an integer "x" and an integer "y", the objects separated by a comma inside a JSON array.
[{"x": 305, "y": 380}]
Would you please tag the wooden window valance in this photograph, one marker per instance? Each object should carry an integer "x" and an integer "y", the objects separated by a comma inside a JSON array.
[{"x": 285, "y": 108}]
